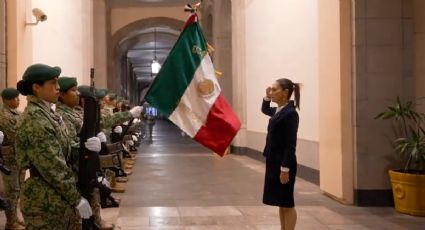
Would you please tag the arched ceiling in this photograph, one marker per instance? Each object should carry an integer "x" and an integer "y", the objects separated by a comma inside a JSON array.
[
  {"x": 143, "y": 47},
  {"x": 132, "y": 49}
]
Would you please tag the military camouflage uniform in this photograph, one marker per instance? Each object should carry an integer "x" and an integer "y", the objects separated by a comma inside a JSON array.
[
  {"x": 47, "y": 199},
  {"x": 13, "y": 182},
  {"x": 73, "y": 119},
  {"x": 79, "y": 110},
  {"x": 110, "y": 119},
  {"x": 73, "y": 122}
]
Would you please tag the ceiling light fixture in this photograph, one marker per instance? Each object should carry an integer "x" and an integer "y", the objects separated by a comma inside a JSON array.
[{"x": 155, "y": 66}]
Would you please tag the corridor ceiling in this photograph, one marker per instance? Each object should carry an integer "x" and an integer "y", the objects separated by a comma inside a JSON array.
[{"x": 142, "y": 51}]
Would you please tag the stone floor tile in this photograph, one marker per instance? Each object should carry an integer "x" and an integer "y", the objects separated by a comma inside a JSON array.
[
  {"x": 198, "y": 220},
  {"x": 149, "y": 211},
  {"x": 348, "y": 227},
  {"x": 132, "y": 221},
  {"x": 209, "y": 211},
  {"x": 164, "y": 221}
]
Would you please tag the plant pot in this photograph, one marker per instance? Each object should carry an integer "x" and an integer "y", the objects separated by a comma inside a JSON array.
[{"x": 408, "y": 192}]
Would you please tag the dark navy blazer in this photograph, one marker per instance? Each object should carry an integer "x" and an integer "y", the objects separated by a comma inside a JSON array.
[{"x": 282, "y": 131}]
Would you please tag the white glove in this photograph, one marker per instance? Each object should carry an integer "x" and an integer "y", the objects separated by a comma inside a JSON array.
[
  {"x": 84, "y": 208},
  {"x": 1, "y": 137},
  {"x": 93, "y": 144},
  {"x": 136, "y": 111},
  {"x": 101, "y": 136},
  {"x": 134, "y": 138},
  {"x": 104, "y": 181},
  {"x": 118, "y": 129},
  {"x": 125, "y": 123},
  {"x": 137, "y": 120},
  {"x": 130, "y": 142}
]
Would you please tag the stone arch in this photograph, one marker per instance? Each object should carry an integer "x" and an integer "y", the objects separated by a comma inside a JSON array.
[{"x": 124, "y": 38}]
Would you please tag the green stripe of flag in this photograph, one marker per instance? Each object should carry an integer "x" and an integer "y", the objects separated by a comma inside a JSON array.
[{"x": 178, "y": 70}]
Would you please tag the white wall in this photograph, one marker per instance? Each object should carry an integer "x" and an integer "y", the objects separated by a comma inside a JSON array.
[
  {"x": 282, "y": 41},
  {"x": 65, "y": 38},
  {"x": 121, "y": 17}
]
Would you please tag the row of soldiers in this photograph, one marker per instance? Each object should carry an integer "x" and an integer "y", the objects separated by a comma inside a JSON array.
[{"x": 44, "y": 140}]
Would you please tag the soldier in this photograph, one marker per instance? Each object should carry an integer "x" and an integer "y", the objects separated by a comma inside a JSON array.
[
  {"x": 110, "y": 102},
  {"x": 49, "y": 196},
  {"x": 73, "y": 119},
  {"x": 8, "y": 118}
]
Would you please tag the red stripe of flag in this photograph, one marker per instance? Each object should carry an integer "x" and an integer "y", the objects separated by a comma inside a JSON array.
[{"x": 221, "y": 127}]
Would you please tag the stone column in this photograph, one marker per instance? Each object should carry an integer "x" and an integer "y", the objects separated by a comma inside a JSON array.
[
  {"x": 335, "y": 93},
  {"x": 238, "y": 67},
  {"x": 383, "y": 70},
  {"x": 419, "y": 44},
  {"x": 2, "y": 45},
  {"x": 99, "y": 36}
]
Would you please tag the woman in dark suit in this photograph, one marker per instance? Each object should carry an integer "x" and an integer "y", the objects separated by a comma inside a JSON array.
[{"x": 281, "y": 162}]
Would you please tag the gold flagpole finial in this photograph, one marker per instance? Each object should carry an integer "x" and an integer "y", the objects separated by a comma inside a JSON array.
[{"x": 192, "y": 8}]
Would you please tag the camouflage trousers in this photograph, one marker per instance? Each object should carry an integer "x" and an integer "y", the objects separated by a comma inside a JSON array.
[
  {"x": 49, "y": 221},
  {"x": 95, "y": 205},
  {"x": 43, "y": 208},
  {"x": 12, "y": 183}
]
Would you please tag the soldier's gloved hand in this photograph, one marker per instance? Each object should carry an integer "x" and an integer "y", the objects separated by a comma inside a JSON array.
[
  {"x": 134, "y": 138},
  {"x": 93, "y": 144},
  {"x": 125, "y": 123},
  {"x": 130, "y": 142},
  {"x": 136, "y": 111},
  {"x": 104, "y": 181},
  {"x": 1, "y": 137},
  {"x": 84, "y": 209},
  {"x": 137, "y": 120},
  {"x": 118, "y": 129},
  {"x": 101, "y": 136}
]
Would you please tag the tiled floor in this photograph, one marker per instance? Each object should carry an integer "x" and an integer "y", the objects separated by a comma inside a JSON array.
[{"x": 178, "y": 184}]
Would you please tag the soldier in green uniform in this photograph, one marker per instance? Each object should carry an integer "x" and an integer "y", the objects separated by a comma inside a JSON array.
[
  {"x": 73, "y": 119},
  {"x": 8, "y": 118},
  {"x": 111, "y": 119},
  {"x": 49, "y": 196}
]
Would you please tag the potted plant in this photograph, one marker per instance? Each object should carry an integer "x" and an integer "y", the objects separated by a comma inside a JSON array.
[{"x": 408, "y": 182}]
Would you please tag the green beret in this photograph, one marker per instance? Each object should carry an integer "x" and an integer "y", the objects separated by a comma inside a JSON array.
[
  {"x": 84, "y": 90},
  {"x": 41, "y": 72},
  {"x": 66, "y": 83},
  {"x": 101, "y": 93},
  {"x": 112, "y": 96},
  {"x": 119, "y": 98},
  {"x": 9, "y": 93}
]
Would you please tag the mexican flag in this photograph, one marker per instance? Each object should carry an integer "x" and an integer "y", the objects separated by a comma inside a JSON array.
[{"x": 186, "y": 90}]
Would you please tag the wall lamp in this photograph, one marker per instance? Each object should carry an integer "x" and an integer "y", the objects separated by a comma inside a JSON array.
[{"x": 39, "y": 15}]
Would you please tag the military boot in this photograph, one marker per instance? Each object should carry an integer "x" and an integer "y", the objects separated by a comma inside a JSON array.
[
  {"x": 121, "y": 179},
  {"x": 117, "y": 187}
]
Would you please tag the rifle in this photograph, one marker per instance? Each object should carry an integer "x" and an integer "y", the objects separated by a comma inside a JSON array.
[{"x": 88, "y": 160}]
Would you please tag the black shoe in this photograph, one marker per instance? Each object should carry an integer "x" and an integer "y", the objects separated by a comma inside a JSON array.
[{"x": 109, "y": 202}]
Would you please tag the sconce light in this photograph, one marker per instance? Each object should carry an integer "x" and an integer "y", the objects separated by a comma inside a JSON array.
[{"x": 39, "y": 15}]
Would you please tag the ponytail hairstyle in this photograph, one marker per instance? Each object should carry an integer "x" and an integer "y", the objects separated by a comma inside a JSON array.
[
  {"x": 25, "y": 87},
  {"x": 291, "y": 87}
]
